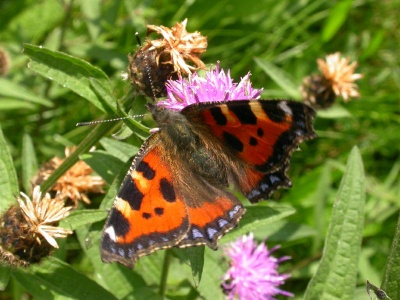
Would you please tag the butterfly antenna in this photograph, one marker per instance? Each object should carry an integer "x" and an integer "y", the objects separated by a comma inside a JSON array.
[
  {"x": 108, "y": 120},
  {"x": 147, "y": 66}
]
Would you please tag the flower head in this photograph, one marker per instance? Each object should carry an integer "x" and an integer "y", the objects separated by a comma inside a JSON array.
[
  {"x": 253, "y": 272},
  {"x": 28, "y": 231},
  {"x": 75, "y": 183},
  {"x": 337, "y": 79},
  {"x": 177, "y": 47},
  {"x": 176, "y": 54},
  {"x": 216, "y": 86}
]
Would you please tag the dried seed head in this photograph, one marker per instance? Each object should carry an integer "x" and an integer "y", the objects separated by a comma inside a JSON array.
[
  {"x": 28, "y": 231},
  {"x": 75, "y": 183},
  {"x": 337, "y": 79},
  {"x": 176, "y": 54}
]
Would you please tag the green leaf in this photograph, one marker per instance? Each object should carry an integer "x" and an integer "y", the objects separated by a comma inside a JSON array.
[
  {"x": 70, "y": 72},
  {"x": 104, "y": 164},
  {"x": 391, "y": 281},
  {"x": 104, "y": 93},
  {"x": 209, "y": 287},
  {"x": 336, "y": 19},
  {"x": 29, "y": 163},
  {"x": 92, "y": 12},
  {"x": 107, "y": 98},
  {"x": 334, "y": 112},
  {"x": 4, "y": 277},
  {"x": 256, "y": 217},
  {"x": 118, "y": 279},
  {"x": 7, "y": 104},
  {"x": 121, "y": 150},
  {"x": 33, "y": 20},
  {"x": 14, "y": 90},
  {"x": 8, "y": 176},
  {"x": 115, "y": 186},
  {"x": 55, "y": 278},
  {"x": 336, "y": 276},
  {"x": 78, "y": 218},
  {"x": 195, "y": 256},
  {"x": 281, "y": 78}
]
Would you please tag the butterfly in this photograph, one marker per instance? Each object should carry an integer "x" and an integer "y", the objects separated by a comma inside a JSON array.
[{"x": 178, "y": 191}]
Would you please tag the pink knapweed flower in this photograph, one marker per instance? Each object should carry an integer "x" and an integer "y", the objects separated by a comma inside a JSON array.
[
  {"x": 216, "y": 86},
  {"x": 253, "y": 274}
]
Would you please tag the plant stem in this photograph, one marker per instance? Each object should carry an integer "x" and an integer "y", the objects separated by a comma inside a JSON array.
[{"x": 164, "y": 274}]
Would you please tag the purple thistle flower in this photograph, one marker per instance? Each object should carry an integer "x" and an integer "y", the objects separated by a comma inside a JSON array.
[
  {"x": 253, "y": 272},
  {"x": 216, "y": 86}
]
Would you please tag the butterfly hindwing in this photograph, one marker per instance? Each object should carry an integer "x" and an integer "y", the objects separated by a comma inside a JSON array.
[{"x": 210, "y": 220}]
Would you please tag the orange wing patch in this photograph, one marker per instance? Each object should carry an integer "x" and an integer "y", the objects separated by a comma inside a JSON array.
[
  {"x": 261, "y": 133},
  {"x": 249, "y": 130},
  {"x": 148, "y": 213},
  {"x": 212, "y": 220}
]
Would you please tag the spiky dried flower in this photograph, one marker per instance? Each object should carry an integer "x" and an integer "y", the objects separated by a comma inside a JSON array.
[
  {"x": 28, "y": 231},
  {"x": 337, "y": 78},
  {"x": 176, "y": 54},
  {"x": 75, "y": 183}
]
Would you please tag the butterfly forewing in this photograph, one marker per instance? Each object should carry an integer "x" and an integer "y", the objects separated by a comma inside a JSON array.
[
  {"x": 261, "y": 135},
  {"x": 149, "y": 213}
]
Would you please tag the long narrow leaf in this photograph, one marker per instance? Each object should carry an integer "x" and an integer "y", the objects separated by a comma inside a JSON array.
[
  {"x": 29, "y": 162},
  {"x": 54, "y": 277},
  {"x": 8, "y": 176},
  {"x": 337, "y": 272},
  {"x": 281, "y": 78},
  {"x": 4, "y": 277},
  {"x": 391, "y": 279},
  {"x": 70, "y": 72}
]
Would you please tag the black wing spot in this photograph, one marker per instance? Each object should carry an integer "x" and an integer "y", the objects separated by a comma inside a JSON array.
[
  {"x": 146, "y": 215},
  {"x": 218, "y": 116},
  {"x": 260, "y": 132},
  {"x": 146, "y": 170},
  {"x": 120, "y": 223},
  {"x": 233, "y": 141},
  {"x": 253, "y": 141},
  {"x": 159, "y": 211},
  {"x": 274, "y": 112},
  {"x": 130, "y": 193},
  {"x": 167, "y": 190},
  {"x": 244, "y": 113}
]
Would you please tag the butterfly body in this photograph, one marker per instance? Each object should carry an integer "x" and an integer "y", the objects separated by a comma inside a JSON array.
[{"x": 178, "y": 190}]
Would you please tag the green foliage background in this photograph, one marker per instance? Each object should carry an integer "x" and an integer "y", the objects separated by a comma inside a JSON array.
[{"x": 279, "y": 42}]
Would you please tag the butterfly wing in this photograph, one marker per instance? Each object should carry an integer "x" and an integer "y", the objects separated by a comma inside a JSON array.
[
  {"x": 260, "y": 136},
  {"x": 216, "y": 213},
  {"x": 148, "y": 213},
  {"x": 162, "y": 204}
]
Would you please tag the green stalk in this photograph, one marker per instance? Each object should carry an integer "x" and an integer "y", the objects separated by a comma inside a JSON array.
[
  {"x": 164, "y": 274},
  {"x": 88, "y": 142}
]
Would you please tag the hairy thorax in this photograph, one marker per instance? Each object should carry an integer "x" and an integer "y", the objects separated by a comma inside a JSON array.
[{"x": 189, "y": 146}]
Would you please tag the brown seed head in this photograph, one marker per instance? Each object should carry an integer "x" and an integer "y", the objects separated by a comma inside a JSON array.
[
  {"x": 176, "y": 54},
  {"x": 75, "y": 183}
]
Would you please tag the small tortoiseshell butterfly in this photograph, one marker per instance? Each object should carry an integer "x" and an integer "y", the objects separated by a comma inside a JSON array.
[{"x": 177, "y": 191}]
